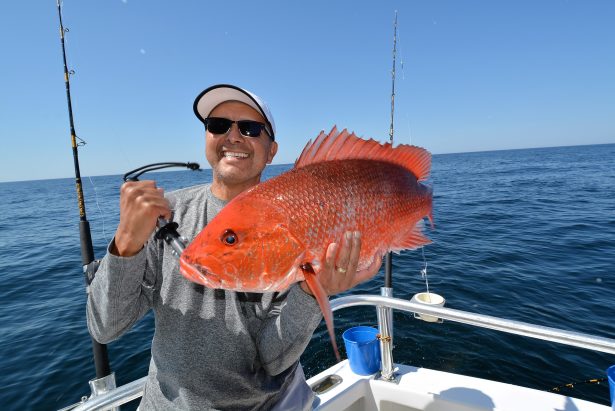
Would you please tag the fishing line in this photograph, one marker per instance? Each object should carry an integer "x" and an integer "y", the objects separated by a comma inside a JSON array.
[
  {"x": 102, "y": 215},
  {"x": 403, "y": 77},
  {"x": 401, "y": 55},
  {"x": 424, "y": 273}
]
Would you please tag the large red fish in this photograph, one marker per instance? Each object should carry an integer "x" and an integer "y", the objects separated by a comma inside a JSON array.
[{"x": 277, "y": 233}]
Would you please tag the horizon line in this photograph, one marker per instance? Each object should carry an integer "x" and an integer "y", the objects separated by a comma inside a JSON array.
[{"x": 281, "y": 164}]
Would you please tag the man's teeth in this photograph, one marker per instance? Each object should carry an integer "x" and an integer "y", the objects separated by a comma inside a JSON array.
[{"x": 234, "y": 155}]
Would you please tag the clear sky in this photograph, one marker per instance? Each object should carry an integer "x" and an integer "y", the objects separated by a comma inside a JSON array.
[{"x": 476, "y": 75}]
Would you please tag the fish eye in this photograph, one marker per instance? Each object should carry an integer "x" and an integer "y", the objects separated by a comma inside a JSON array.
[{"x": 229, "y": 237}]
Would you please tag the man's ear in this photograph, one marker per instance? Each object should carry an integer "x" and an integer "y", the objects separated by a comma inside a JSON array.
[{"x": 273, "y": 149}]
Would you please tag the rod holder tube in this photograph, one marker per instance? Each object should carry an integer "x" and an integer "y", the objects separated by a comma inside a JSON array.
[
  {"x": 385, "y": 328},
  {"x": 387, "y": 292},
  {"x": 100, "y": 386},
  {"x": 114, "y": 398},
  {"x": 386, "y": 346}
]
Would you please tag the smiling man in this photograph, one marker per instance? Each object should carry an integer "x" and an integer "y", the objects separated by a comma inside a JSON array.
[{"x": 212, "y": 349}]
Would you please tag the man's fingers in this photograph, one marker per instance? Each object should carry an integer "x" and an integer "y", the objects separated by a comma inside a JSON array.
[
  {"x": 141, "y": 203},
  {"x": 355, "y": 250},
  {"x": 330, "y": 256},
  {"x": 165, "y": 212},
  {"x": 339, "y": 272},
  {"x": 341, "y": 264},
  {"x": 146, "y": 197}
]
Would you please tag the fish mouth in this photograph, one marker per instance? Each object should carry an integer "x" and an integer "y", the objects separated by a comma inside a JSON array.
[{"x": 199, "y": 274}]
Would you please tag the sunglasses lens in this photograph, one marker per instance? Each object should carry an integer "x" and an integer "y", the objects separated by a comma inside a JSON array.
[
  {"x": 220, "y": 125},
  {"x": 250, "y": 128},
  {"x": 217, "y": 125}
]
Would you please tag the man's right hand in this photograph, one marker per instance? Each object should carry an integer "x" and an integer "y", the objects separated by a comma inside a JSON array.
[{"x": 141, "y": 203}]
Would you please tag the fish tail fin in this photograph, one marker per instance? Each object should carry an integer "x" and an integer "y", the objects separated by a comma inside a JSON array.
[
  {"x": 325, "y": 306},
  {"x": 346, "y": 146}
]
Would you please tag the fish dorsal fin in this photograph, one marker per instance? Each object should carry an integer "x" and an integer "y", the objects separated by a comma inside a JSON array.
[{"x": 347, "y": 146}]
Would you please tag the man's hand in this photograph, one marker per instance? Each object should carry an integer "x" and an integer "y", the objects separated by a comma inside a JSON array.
[
  {"x": 141, "y": 203},
  {"x": 339, "y": 272}
]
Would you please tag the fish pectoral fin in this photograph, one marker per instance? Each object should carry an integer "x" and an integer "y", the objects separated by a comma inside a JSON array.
[
  {"x": 322, "y": 298},
  {"x": 412, "y": 239}
]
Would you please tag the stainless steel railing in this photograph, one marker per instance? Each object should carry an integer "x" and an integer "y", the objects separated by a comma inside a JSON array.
[
  {"x": 114, "y": 398},
  {"x": 134, "y": 390},
  {"x": 540, "y": 332}
]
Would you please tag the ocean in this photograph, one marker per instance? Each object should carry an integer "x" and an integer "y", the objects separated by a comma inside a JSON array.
[{"x": 526, "y": 235}]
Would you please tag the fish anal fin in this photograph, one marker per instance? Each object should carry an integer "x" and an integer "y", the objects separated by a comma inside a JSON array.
[
  {"x": 347, "y": 146},
  {"x": 322, "y": 298}
]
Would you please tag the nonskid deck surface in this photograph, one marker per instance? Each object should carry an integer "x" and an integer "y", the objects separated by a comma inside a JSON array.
[{"x": 422, "y": 389}]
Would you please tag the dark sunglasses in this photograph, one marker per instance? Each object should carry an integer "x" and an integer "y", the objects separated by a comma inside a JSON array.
[{"x": 247, "y": 128}]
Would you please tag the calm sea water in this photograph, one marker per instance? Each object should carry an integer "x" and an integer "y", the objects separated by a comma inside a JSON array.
[{"x": 527, "y": 235}]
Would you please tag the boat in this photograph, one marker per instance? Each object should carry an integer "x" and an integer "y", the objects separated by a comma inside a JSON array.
[{"x": 402, "y": 387}]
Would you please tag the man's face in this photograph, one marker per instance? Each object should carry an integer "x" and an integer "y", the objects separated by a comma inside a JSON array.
[{"x": 235, "y": 159}]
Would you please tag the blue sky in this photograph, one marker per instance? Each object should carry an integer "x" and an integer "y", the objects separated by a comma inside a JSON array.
[{"x": 476, "y": 75}]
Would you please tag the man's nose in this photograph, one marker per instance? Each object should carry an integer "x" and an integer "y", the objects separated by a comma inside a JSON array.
[{"x": 234, "y": 136}]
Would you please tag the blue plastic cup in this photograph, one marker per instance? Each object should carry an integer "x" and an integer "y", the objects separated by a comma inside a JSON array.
[
  {"x": 363, "y": 349},
  {"x": 610, "y": 373}
]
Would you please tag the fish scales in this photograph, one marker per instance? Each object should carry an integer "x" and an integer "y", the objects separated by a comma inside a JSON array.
[{"x": 321, "y": 201}]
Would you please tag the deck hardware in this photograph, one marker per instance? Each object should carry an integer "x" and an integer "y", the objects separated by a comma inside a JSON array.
[{"x": 325, "y": 384}]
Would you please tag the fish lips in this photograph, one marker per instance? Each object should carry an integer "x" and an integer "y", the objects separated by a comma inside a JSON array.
[{"x": 199, "y": 274}]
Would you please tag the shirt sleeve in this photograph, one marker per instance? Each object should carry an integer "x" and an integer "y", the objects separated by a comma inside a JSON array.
[
  {"x": 121, "y": 293},
  {"x": 287, "y": 330}
]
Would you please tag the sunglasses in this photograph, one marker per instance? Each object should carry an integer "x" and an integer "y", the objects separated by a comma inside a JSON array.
[{"x": 247, "y": 128}]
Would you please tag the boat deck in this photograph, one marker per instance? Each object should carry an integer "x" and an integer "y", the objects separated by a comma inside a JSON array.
[{"x": 422, "y": 389}]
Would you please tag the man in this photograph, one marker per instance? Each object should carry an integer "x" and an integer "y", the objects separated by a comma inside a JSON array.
[{"x": 212, "y": 349}]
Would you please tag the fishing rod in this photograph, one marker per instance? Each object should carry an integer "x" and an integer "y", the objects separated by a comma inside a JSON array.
[
  {"x": 105, "y": 379},
  {"x": 101, "y": 357},
  {"x": 388, "y": 262},
  {"x": 385, "y": 314}
]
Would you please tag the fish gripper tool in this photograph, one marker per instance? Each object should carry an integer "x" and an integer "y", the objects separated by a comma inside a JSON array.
[{"x": 167, "y": 231}]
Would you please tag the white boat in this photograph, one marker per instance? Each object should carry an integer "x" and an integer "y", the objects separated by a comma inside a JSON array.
[{"x": 400, "y": 387}]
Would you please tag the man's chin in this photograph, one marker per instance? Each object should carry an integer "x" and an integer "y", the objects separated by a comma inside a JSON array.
[{"x": 234, "y": 175}]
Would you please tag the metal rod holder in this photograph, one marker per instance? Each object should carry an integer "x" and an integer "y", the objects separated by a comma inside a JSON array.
[{"x": 385, "y": 328}]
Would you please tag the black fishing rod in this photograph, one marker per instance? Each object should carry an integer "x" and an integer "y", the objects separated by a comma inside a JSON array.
[
  {"x": 101, "y": 358},
  {"x": 388, "y": 261}
]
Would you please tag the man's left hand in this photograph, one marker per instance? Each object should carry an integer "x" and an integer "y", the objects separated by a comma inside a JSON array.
[{"x": 339, "y": 272}]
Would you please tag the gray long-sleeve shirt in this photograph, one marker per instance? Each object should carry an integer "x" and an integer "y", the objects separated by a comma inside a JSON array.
[{"x": 212, "y": 349}]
